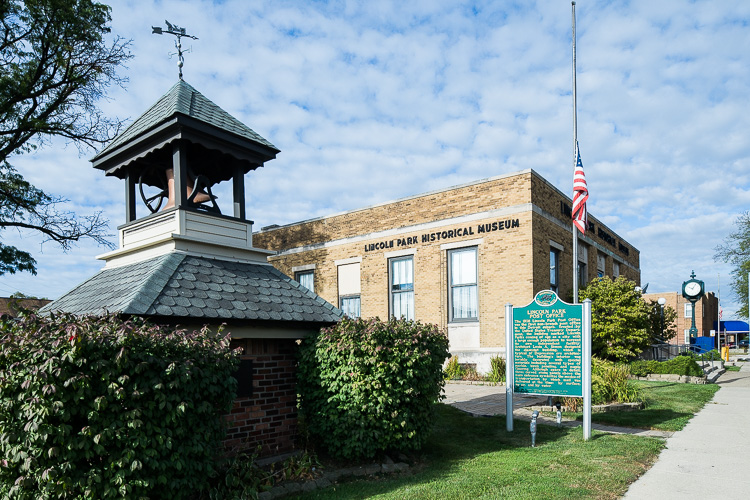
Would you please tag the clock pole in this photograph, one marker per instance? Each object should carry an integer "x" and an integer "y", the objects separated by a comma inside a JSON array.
[
  {"x": 693, "y": 290},
  {"x": 693, "y": 329}
]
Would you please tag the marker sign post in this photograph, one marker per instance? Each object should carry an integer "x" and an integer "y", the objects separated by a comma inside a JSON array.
[{"x": 548, "y": 345}]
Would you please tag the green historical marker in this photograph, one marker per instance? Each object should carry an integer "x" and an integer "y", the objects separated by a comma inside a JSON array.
[
  {"x": 548, "y": 347},
  {"x": 548, "y": 352}
]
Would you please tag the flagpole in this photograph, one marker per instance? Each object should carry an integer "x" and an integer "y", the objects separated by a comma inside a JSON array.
[{"x": 575, "y": 159}]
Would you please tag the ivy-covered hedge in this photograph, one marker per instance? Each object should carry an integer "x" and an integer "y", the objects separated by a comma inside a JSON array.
[
  {"x": 368, "y": 386},
  {"x": 681, "y": 365},
  {"x": 101, "y": 408}
]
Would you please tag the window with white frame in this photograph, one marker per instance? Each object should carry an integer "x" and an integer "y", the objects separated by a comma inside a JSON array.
[
  {"x": 462, "y": 270},
  {"x": 401, "y": 271},
  {"x": 688, "y": 310},
  {"x": 601, "y": 262},
  {"x": 306, "y": 279},
  {"x": 615, "y": 269},
  {"x": 349, "y": 289},
  {"x": 554, "y": 269}
]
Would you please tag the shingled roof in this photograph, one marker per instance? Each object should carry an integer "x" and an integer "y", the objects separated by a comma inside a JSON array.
[
  {"x": 182, "y": 286},
  {"x": 182, "y": 98}
]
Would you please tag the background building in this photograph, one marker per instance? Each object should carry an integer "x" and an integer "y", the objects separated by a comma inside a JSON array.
[
  {"x": 706, "y": 312},
  {"x": 452, "y": 257}
]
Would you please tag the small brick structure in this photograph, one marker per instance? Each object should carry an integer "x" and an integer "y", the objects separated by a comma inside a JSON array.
[
  {"x": 191, "y": 265},
  {"x": 268, "y": 417}
]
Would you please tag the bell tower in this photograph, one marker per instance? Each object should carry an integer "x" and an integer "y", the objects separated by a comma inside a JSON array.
[{"x": 170, "y": 158}]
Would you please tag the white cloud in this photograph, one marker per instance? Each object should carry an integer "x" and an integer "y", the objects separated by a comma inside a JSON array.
[{"x": 372, "y": 101}]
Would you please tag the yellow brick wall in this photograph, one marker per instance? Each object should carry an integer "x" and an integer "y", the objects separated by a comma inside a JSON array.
[{"x": 513, "y": 263}]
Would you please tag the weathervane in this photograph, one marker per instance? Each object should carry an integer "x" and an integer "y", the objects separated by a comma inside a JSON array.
[{"x": 175, "y": 30}]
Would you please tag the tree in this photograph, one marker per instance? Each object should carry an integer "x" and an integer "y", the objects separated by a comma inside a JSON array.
[
  {"x": 736, "y": 251},
  {"x": 661, "y": 331},
  {"x": 619, "y": 318},
  {"x": 54, "y": 65}
]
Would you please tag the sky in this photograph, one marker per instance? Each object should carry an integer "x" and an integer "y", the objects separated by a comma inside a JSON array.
[{"x": 374, "y": 101}]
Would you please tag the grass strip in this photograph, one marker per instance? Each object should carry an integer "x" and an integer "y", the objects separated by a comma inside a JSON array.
[
  {"x": 668, "y": 406},
  {"x": 468, "y": 457}
]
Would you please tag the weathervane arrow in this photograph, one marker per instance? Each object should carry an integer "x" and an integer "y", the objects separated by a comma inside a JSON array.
[{"x": 175, "y": 30}]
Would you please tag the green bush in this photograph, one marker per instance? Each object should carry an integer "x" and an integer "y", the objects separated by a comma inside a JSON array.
[
  {"x": 368, "y": 386},
  {"x": 712, "y": 355},
  {"x": 497, "y": 370},
  {"x": 681, "y": 365},
  {"x": 101, "y": 408},
  {"x": 453, "y": 369},
  {"x": 609, "y": 383}
]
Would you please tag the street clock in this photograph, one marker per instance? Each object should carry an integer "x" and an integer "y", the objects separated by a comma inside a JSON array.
[{"x": 693, "y": 290}]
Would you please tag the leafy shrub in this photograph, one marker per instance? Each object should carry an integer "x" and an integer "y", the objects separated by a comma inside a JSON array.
[
  {"x": 681, "y": 365},
  {"x": 453, "y": 369},
  {"x": 609, "y": 383},
  {"x": 497, "y": 370},
  {"x": 100, "y": 408},
  {"x": 712, "y": 355},
  {"x": 238, "y": 477},
  {"x": 368, "y": 386}
]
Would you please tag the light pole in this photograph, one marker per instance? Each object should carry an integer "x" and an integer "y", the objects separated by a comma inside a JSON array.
[{"x": 661, "y": 302}]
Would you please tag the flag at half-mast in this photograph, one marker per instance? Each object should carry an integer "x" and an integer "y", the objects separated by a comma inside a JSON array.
[{"x": 580, "y": 195}]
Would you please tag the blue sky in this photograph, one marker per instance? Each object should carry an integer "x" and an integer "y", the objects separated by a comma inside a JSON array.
[{"x": 374, "y": 101}]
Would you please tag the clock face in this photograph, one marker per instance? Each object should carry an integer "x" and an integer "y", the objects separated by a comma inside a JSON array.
[{"x": 693, "y": 288}]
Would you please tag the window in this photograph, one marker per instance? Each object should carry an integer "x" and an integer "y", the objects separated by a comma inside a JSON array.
[
  {"x": 554, "y": 265},
  {"x": 306, "y": 279},
  {"x": 402, "y": 287},
  {"x": 583, "y": 258},
  {"x": 349, "y": 289},
  {"x": 688, "y": 310},
  {"x": 615, "y": 269},
  {"x": 687, "y": 336},
  {"x": 350, "y": 306},
  {"x": 601, "y": 262},
  {"x": 464, "y": 302}
]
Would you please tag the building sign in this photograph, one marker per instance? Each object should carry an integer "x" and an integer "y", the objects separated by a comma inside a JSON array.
[
  {"x": 601, "y": 233},
  {"x": 548, "y": 347},
  {"x": 461, "y": 232}
]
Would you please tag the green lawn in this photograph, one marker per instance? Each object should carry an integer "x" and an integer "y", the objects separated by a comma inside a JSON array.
[
  {"x": 668, "y": 406},
  {"x": 470, "y": 458}
]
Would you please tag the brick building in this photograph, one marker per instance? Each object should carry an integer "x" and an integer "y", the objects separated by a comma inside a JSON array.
[
  {"x": 452, "y": 257},
  {"x": 706, "y": 312}
]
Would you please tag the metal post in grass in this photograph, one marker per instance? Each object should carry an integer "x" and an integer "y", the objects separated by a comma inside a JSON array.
[
  {"x": 586, "y": 348},
  {"x": 509, "y": 367}
]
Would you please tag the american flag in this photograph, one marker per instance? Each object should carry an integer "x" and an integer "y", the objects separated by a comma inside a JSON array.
[{"x": 580, "y": 195}]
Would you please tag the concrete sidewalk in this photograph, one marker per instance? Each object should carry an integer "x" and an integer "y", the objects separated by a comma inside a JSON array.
[{"x": 710, "y": 457}]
